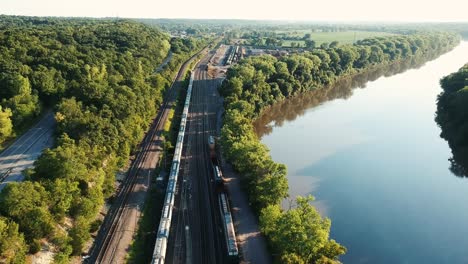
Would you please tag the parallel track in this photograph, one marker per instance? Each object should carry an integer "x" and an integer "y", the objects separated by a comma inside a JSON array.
[
  {"x": 102, "y": 251},
  {"x": 202, "y": 214}
]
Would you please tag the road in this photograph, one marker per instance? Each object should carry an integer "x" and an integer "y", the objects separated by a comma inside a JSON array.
[
  {"x": 120, "y": 224},
  {"x": 25, "y": 150}
]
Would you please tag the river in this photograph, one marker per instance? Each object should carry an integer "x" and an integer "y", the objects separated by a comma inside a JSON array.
[{"x": 369, "y": 150}]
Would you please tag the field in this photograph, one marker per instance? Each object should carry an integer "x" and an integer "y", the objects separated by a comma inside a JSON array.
[{"x": 342, "y": 37}]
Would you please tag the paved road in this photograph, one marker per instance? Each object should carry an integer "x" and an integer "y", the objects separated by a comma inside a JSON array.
[
  {"x": 117, "y": 232},
  {"x": 26, "y": 149}
]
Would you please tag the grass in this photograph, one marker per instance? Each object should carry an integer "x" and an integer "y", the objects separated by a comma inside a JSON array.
[{"x": 345, "y": 37}]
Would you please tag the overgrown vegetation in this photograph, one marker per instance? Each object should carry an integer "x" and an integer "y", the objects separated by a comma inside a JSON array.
[
  {"x": 98, "y": 77},
  {"x": 298, "y": 235},
  {"x": 452, "y": 117}
]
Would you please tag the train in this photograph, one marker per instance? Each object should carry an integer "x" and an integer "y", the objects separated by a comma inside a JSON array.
[
  {"x": 162, "y": 237},
  {"x": 218, "y": 175},
  {"x": 211, "y": 145},
  {"x": 232, "y": 250},
  {"x": 233, "y": 55},
  {"x": 228, "y": 227}
]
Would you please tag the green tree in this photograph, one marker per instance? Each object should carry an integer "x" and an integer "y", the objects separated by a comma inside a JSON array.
[
  {"x": 6, "y": 126},
  {"x": 310, "y": 44},
  {"x": 300, "y": 234},
  {"x": 12, "y": 245}
]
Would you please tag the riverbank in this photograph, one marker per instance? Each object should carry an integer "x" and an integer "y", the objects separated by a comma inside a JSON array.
[
  {"x": 380, "y": 141},
  {"x": 258, "y": 82}
]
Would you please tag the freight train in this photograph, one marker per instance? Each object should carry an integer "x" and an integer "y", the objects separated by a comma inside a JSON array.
[
  {"x": 231, "y": 248},
  {"x": 233, "y": 55},
  {"x": 162, "y": 237}
]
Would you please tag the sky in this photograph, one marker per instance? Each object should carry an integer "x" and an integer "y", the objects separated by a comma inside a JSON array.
[{"x": 312, "y": 10}]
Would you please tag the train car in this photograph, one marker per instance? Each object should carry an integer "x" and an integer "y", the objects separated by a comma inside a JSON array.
[
  {"x": 232, "y": 250},
  {"x": 218, "y": 175},
  {"x": 211, "y": 142},
  {"x": 211, "y": 145},
  {"x": 159, "y": 251}
]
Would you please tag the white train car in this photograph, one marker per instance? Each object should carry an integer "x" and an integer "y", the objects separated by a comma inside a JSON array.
[
  {"x": 159, "y": 252},
  {"x": 228, "y": 227}
]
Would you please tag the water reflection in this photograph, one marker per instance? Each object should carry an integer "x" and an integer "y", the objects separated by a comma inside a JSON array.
[
  {"x": 376, "y": 164},
  {"x": 296, "y": 106}
]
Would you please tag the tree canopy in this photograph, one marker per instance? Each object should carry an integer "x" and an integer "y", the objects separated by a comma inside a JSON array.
[
  {"x": 98, "y": 77},
  {"x": 452, "y": 117}
]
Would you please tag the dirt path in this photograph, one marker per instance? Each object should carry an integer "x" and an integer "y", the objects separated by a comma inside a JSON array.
[{"x": 251, "y": 242}]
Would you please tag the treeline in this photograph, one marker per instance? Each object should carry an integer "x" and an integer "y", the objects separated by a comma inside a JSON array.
[
  {"x": 452, "y": 117},
  {"x": 298, "y": 235},
  {"x": 98, "y": 76}
]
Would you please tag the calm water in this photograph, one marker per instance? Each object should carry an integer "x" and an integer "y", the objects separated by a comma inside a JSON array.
[{"x": 373, "y": 158}]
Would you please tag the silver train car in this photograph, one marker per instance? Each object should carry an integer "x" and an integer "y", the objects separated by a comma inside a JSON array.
[
  {"x": 228, "y": 226},
  {"x": 218, "y": 174},
  {"x": 159, "y": 252}
]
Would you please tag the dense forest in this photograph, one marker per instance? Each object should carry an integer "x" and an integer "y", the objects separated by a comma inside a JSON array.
[
  {"x": 452, "y": 117},
  {"x": 98, "y": 77},
  {"x": 299, "y": 235}
]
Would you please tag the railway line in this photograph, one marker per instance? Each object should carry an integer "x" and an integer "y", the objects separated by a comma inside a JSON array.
[
  {"x": 197, "y": 229},
  {"x": 196, "y": 224},
  {"x": 117, "y": 230}
]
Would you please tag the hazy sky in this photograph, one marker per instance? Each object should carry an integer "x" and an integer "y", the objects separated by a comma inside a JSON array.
[{"x": 355, "y": 10}]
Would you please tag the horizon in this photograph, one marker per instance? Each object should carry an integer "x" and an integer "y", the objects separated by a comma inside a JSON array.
[
  {"x": 359, "y": 11},
  {"x": 299, "y": 21}
]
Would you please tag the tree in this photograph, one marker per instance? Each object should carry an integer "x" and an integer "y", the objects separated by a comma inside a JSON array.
[
  {"x": 26, "y": 204},
  {"x": 300, "y": 234},
  {"x": 307, "y": 36},
  {"x": 12, "y": 245},
  {"x": 333, "y": 44},
  {"x": 310, "y": 44},
  {"x": 324, "y": 45},
  {"x": 6, "y": 126}
]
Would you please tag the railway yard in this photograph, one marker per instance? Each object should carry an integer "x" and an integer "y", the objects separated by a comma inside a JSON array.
[
  {"x": 202, "y": 228},
  {"x": 196, "y": 235},
  {"x": 196, "y": 224},
  {"x": 120, "y": 224}
]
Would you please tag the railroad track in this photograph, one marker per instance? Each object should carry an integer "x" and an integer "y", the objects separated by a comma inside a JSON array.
[
  {"x": 205, "y": 204},
  {"x": 196, "y": 205},
  {"x": 103, "y": 251},
  {"x": 118, "y": 209}
]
